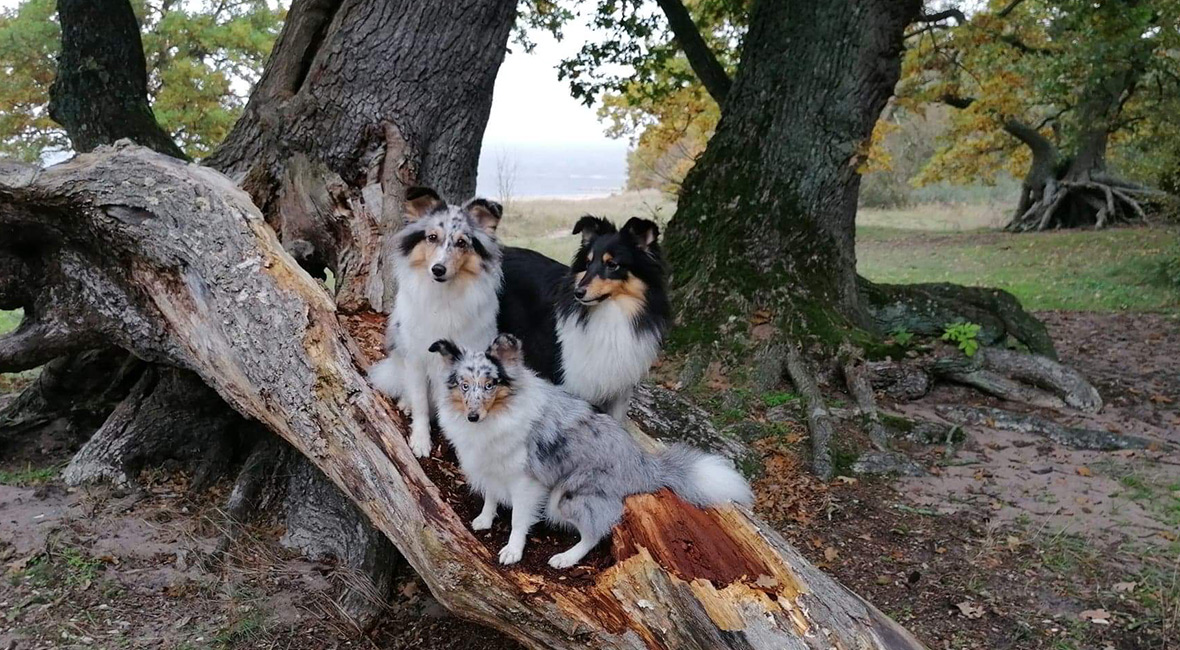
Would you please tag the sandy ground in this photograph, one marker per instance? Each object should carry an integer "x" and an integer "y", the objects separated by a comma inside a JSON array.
[{"x": 1012, "y": 542}]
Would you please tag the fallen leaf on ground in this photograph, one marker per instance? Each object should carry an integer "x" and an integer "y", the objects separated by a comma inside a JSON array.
[
  {"x": 970, "y": 609},
  {"x": 830, "y": 554},
  {"x": 1084, "y": 471},
  {"x": 1124, "y": 587},
  {"x": 1096, "y": 616},
  {"x": 847, "y": 480}
]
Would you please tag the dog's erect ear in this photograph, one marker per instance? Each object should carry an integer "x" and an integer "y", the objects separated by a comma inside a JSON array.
[
  {"x": 448, "y": 350},
  {"x": 590, "y": 227},
  {"x": 645, "y": 232},
  {"x": 421, "y": 201},
  {"x": 486, "y": 213},
  {"x": 506, "y": 349}
]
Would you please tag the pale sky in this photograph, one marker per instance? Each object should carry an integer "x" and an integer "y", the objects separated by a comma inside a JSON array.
[{"x": 531, "y": 106}]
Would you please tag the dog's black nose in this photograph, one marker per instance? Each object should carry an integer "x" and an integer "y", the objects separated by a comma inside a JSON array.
[
  {"x": 473, "y": 417},
  {"x": 438, "y": 270},
  {"x": 580, "y": 292}
]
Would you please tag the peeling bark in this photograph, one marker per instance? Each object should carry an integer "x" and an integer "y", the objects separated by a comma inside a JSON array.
[{"x": 218, "y": 296}]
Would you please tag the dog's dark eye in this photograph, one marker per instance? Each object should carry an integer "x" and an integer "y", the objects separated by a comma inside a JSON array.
[
  {"x": 612, "y": 266},
  {"x": 462, "y": 243},
  {"x": 432, "y": 238}
]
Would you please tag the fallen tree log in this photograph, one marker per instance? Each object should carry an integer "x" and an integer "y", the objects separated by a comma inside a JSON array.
[{"x": 174, "y": 263}]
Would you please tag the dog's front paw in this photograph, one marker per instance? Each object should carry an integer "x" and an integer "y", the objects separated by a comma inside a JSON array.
[
  {"x": 420, "y": 444},
  {"x": 482, "y": 522},
  {"x": 511, "y": 554},
  {"x": 564, "y": 560},
  {"x": 403, "y": 405}
]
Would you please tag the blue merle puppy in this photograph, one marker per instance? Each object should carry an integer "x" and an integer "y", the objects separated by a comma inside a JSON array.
[{"x": 529, "y": 445}]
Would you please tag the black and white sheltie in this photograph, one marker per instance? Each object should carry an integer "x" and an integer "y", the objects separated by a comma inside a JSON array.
[{"x": 596, "y": 326}]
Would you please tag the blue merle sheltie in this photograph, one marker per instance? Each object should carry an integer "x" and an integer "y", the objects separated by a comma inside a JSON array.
[
  {"x": 596, "y": 326},
  {"x": 447, "y": 263},
  {"x": 527, "y": 444}
]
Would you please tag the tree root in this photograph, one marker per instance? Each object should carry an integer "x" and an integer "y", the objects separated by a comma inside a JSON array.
[
  {"x": 71, "y": 397},
  {"x": 926, "y": 309},
  {"x": 1073, "y": 437},
  {"x": 322, "y": 523},
  {"x": 169, "y": 414},
  {"x": 969, "y": 373},
  {"x": 819, "y": 420},
  {"x": 1061, "y": 380},
  {"x": 258, "y": 486},
  {"x": 1098, "y": 201},
  {"x": 667, "y": 416},
  {"x": 857, "y": 380}
]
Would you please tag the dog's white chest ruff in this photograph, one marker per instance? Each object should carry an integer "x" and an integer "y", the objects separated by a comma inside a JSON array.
[
  {"x": 604, "y": 356},
  {"x": 426, "y": 313}
]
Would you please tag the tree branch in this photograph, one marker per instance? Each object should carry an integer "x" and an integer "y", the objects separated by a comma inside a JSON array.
[
  {"x": 702, "y": 59},
  {"x": 952, "y": 13}
]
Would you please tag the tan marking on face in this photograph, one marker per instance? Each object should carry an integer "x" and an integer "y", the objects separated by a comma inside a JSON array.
[
  {"x": 457, "y": 401},
  {"x": 499, "y": 401},
  {"x": 424, "y": 251},
  {"x": 469, "y": 263},
  {"x": 632, "y": 294},
  {"x": 601, "y": 288},
  {"x": 629, "y": 293},
  {"x": 606, "y": 257}
]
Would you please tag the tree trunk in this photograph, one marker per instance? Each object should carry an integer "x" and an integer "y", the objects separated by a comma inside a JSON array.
[
  {"x": 766, "y": 217},
  {"x": 100, "y": 92},
  {"x": 361, "y": 99},
  {"x": 217, "y": 295}
]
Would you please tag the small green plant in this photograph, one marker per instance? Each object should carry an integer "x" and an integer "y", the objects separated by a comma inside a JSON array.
[
  {"x": 901, "y": 336},
  {"x": 772, "y": 400},
  {"x": 963, "y": 334}
]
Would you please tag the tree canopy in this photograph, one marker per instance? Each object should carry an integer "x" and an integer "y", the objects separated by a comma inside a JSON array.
[
  {"x": 203, "y": 57},
  {"x": 1062, "y": 68}
]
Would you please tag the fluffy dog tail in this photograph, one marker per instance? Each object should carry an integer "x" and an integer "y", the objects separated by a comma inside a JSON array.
[{"x": 699, "y": 478}]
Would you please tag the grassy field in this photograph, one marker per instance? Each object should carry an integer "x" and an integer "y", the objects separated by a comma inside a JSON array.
[{"x": 1113, "y": 270}]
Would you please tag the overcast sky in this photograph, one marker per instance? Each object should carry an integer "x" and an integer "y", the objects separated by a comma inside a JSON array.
[{"x": 531, "y": 106}]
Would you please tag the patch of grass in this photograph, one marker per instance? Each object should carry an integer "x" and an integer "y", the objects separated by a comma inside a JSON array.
[
  {"x": 29, "y": 476},
  {"x": 1159, "y": 496},
  {"x": 1108, "y": 270},
  {"x": 243, "y": 630},
  {"x": 772, "y": 400},
  {"x": 9, "y": 320},
  {"x": 78, "y": 567}
]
